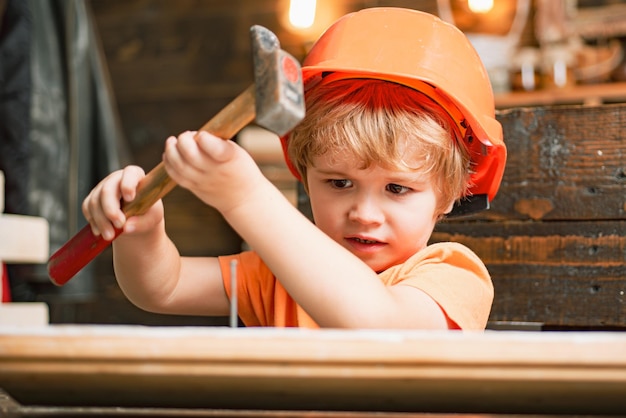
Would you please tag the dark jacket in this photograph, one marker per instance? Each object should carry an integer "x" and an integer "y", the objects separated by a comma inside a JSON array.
[{"x": 71, "y": 136}]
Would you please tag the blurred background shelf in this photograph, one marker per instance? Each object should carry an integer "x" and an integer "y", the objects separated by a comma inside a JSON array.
[{"x": 587, "y": 94}]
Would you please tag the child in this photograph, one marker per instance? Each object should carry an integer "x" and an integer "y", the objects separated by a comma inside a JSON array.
[{"x": 400, "y": 125}]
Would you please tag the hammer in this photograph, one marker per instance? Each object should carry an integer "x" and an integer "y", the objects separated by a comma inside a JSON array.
[{"x": 274, "y": 101}]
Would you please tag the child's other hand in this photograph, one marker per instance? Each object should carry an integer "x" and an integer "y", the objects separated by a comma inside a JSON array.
[
  {"x": 103, "y": 206},
  {"x": 219, "y": 172}
]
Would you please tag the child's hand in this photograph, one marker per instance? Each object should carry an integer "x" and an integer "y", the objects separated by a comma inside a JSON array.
[
  {"x": 103, "y": 206},
  {"x": 219, "y": 172}
]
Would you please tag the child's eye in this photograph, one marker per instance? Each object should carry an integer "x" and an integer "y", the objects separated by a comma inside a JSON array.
[
  {"x": 397, "y": 189},
  {"x": 341, "y": 183}
]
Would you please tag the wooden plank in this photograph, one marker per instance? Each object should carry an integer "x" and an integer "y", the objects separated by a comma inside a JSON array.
[
  {"x": 24, "y": 314},
  {"x": 283, "y": 369},
  {"x": 563, "y": 163},
  {"x": 10, "y": 408},
  {"x": 592, "y": 302},
  {"x": 567, "y": 244},
  {"x": 23, "y": 239}
]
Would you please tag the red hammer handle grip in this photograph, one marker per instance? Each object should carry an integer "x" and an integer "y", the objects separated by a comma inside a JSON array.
[
  {"x": 76, "y": 254},
  {"x": 84, "y": 246}
]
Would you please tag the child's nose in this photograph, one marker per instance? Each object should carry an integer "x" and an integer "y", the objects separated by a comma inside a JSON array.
[{"x": 366, "y": 210}]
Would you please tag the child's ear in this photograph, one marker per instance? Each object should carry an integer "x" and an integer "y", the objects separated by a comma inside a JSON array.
[
  {"x": 449, "y": 208},
  {"x": 442, "y": 215}
]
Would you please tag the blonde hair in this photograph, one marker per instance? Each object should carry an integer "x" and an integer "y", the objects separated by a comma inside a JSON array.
[{"x": 383, "y": 123}]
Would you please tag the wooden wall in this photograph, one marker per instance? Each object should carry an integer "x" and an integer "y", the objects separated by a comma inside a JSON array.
[{"x": 555, "y": 237}]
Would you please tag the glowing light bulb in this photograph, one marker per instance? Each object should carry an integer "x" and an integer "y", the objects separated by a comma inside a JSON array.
[
  {"x": 302, "y": 13},
  {"x": 480, "y": 6}
]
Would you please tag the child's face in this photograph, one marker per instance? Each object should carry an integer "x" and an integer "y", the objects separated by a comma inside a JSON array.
[{"x": 382, "y": 216}]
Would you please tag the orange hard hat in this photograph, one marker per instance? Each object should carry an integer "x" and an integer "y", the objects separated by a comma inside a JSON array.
[{"x": 423, "y": 52}]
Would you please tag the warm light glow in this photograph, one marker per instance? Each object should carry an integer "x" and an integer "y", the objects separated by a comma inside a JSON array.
[
  {"x": 302, "y": 13},
  {"x": 479, "y": 6}
]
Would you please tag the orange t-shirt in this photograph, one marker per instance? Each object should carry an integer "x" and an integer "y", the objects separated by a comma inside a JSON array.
[{"x": 448, "y": 272}]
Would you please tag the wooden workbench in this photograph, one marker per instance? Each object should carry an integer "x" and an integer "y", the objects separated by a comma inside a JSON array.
[{"x": 264, "y": 369}]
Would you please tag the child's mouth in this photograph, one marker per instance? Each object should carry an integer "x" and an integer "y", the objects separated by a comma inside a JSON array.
[{"x": 365, "y": 241}]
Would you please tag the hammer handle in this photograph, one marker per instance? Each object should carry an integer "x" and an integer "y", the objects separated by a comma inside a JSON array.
[{"x": 85, "y": 246}]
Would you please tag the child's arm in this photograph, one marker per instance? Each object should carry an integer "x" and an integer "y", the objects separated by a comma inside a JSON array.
[
  {"x": 331, "y": 284},
  {"x": 147, "y": 265},
  {"x": 335, "y": 288}
]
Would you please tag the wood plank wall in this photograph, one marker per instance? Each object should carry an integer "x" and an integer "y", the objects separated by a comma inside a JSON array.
[{"x": 555, "y": 237}]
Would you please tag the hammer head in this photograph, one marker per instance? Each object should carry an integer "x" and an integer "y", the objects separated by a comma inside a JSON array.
[{"x": 279, "y": 93}]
